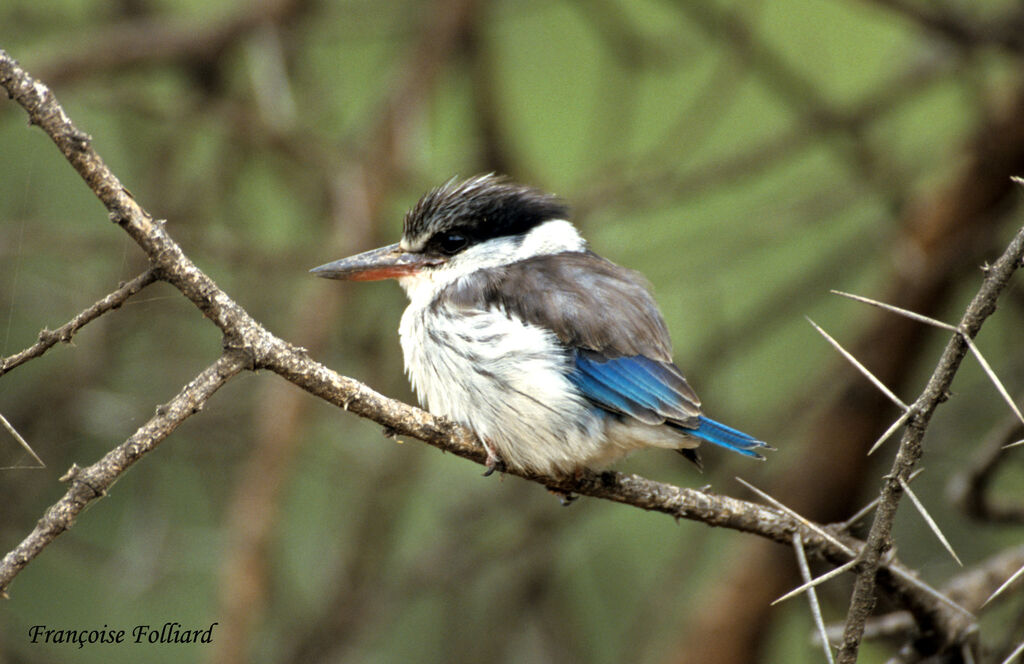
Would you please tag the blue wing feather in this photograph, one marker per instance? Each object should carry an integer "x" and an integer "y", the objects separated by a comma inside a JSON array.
[
  {"x": 648, "y": 385},
  {"x": 651, "y": 391},
  {"x": 597, "y": 388},
  {"x": 612, "y": 391},
  {"x": 654, "y": 393}
]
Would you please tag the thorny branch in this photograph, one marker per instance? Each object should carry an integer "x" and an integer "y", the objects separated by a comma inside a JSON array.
[
  {"x": 935, "y": 392},
  {"x": 249, "y": 346},
  {"x": 971, "y": 589}
]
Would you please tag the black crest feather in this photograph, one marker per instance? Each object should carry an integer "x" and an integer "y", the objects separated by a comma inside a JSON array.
[{"x": 485, "y": 207}]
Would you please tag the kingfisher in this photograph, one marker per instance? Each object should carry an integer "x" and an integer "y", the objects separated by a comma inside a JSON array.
[{"x": 558, "y": 360}]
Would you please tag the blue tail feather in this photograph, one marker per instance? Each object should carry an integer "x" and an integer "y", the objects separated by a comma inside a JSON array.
[{"x": 727, "y": 437}]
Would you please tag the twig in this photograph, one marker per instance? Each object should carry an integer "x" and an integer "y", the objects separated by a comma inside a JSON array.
[
  {"x": 985, "y": 581},
  {"x": 970, "y": 488},
  {"x": 48, "y": 339},
  {"x": 939, "y": 596},
  {"x": 967, "y": 590}
]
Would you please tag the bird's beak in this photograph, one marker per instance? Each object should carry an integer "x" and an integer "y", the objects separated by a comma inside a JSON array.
[{"x": 388, "y": 262}]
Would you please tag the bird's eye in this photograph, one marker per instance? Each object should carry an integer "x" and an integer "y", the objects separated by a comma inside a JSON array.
[{"x": 452, "y": 243}]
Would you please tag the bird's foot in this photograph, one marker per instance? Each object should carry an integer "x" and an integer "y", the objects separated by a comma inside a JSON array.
[
  {"x": 493, "y": 461},
  {"x": 565, "y": 497}
]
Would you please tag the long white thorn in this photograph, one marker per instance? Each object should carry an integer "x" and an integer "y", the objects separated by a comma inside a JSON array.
[
  {"x": 816, "y": 582},
  {"x": 928, "y": 519},
  {"x": 860, "y": 367},
  {"x": 1006, "y": 584},
  {"x": 1014, "y": 654},
  {"x": 898, "y": 310},
  {"x": 945, "y": 326},
  {"x": 993, "y": 377},
  {"x": 914, "y": 581},
  {"x": 812, "y": 597},
  {"x": 21, "y": 441},
  {"x": 809, "y": 524},
  {"x": 900, "y": 421},
  {"x": 859, "y": 514}
]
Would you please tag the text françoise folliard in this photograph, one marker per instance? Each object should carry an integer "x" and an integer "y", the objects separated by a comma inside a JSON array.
[{"x": 169, "y": 632}]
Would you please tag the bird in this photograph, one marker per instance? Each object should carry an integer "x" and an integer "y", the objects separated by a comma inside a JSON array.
[{"x": 558, "y": 360}]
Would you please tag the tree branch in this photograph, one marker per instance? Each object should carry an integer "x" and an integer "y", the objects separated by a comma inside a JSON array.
[{"x": 88, "y": 484}]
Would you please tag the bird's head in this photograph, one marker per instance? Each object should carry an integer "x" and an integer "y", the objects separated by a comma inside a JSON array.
[{"x": 461, "y": 227}]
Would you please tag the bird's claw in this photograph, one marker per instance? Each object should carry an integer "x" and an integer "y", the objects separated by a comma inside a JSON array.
[
  {"x": 493, "y": 462},
  {"x": 564, "y": 497}
]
